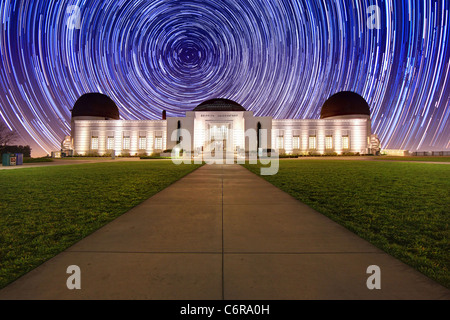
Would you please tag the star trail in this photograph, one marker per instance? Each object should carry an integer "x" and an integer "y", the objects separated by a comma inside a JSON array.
[{"x": 279, "y": 58}]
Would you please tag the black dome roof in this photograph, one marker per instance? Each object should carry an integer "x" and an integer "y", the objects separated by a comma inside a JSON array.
[
  {"x": 344, "y": 103},
  {"x": 219, "y": 105},
  {"x": 95, "y": 105}
]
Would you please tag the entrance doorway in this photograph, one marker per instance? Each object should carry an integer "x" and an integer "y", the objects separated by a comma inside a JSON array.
[
  {"x": 218, "y": 137},
  {"x": 218, "y": 145}
]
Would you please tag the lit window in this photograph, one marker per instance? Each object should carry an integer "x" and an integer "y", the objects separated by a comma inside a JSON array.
[
  {"x": 296, "y": 142},
  {"x": 329, "y": 142},
  {"x": 142, "y": 143},
  {"x": 312, "y": 142},
  {"x": 110, "y": 143},
  {"x": 94, "y": 143},
  {"x": 345, "y": 142},
  {"x": 218, "y": 133},
  {"x": 126, "y": 143},
  {"x": 158, "y": 143},
  {"x": 280, "y": 142}
]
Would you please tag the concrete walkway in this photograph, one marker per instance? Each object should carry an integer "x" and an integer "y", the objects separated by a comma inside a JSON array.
[{"x": 222, "y": 232}]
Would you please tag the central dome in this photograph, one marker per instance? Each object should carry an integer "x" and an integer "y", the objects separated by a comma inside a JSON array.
[{"x": 219, "y": 105}]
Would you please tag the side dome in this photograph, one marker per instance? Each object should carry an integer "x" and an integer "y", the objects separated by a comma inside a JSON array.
[
  {"x": 95, "y": 105},
  {"x": 219, "y": 105},
  {"x": 344, "y": 103}
]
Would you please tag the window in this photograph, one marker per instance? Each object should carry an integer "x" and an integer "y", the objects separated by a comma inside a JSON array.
[
  {"x": 296, "y": 142},
  {"x": 126, "y": 142},
  {"x": 110, "y": 143},
  {"x": 218, "y": 133},
  {"x": 280, "y": 142},
  {"x": 345, "y": 142},
  {"x": 142, "y": 143},
  {"x": 329, "y": 142},
  {"x": 158, "y": 143},
  {"x": 94, "y": 143},
  {"x": 312, "y": 142}
]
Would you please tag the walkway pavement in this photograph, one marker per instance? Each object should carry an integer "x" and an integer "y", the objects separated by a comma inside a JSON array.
[{"x": 222, "y": 232}]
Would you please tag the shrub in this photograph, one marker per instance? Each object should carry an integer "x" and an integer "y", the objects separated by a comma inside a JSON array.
[
  {"x": 288, "y": 155},
  {"x": 34, "y": 160},
  {"x": 92, "y": 154},
  {"x": 142, "y": 154}
]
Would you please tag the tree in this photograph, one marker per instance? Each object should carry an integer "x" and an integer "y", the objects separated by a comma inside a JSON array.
[
  {"x": 7, "y": 136},
  {"x": 26, "y": 150}
]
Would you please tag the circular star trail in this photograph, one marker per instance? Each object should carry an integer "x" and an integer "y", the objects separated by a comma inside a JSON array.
[{"x": 279, "y": 58}]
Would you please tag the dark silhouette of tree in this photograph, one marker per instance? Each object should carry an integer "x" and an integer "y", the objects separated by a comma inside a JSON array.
[
  {"x": 26, "y": 150},
  {"x": 6, "y": 136}
]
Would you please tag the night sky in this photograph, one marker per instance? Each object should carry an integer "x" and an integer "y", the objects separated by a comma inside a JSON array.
[{"x": 279, "y": 58}]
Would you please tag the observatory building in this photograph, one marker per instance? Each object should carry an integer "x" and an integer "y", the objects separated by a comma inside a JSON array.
[{"x": 223, "y": 125}]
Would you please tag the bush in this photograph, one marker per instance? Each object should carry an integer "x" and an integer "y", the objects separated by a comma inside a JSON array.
[
  {"x": 92, "y": 154},
  {"x": 142, "y": 154},
  {"x": 303, "y": 154},
  {"x": 287, "y": 156},
  {"x": 153, "y": 155},
  {"x": 35, "y": 160}
]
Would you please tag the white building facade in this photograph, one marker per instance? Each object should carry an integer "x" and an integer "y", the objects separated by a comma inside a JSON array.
[{"x": 220, "y": 125}]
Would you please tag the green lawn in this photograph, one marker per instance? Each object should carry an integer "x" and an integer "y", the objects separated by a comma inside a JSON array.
[
  {"x": 83, "y": 158},
  {"x": 402, "y": 208},
  {"x": 45, "y": 210},
  {"x": 428, "y": 159}
]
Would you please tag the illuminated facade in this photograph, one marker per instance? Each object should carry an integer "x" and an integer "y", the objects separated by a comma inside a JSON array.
[{"x": 225, "y": 126}]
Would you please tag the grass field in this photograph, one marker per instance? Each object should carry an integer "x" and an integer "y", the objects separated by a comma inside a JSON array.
[
  {"x": 402, "y": 208},
  {"x": 47, "y": 209},
  {"x": 428, "y": 159}
]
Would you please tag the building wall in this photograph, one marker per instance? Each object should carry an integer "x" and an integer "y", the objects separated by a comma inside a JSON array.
[
  {"x": 284, "y": 131},
  {"x": 121, "y": 131},
  {"x": 288, "y": 136}
]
